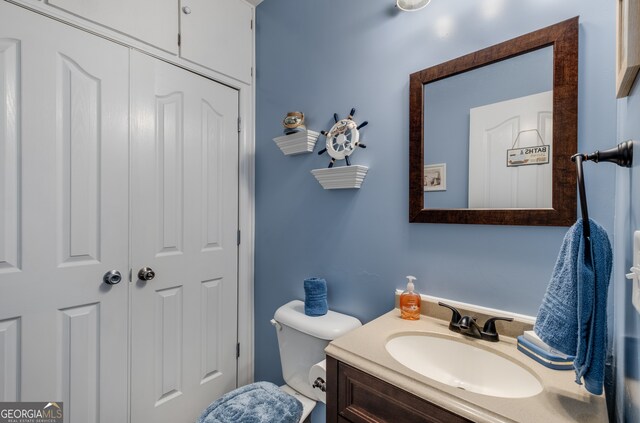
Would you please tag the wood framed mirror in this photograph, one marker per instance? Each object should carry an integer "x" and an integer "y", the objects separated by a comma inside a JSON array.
[{"x": 489, "y": 182}]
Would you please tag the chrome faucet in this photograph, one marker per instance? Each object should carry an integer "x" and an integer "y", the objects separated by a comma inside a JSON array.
[{"x": 467, "y": 325}]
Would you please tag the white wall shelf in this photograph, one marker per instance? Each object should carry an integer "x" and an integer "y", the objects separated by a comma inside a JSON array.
[
  {"x": 298, "y": 143},
  {"x": 343, "y": 177}
]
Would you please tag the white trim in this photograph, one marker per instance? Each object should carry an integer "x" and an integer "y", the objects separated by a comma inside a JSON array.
[
  {"x": 246, "y": 222},
  {"x": 473, "y": 307}
]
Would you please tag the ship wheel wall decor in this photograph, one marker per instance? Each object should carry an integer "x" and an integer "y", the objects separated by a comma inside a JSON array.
[{"x": 343, "y": 138}]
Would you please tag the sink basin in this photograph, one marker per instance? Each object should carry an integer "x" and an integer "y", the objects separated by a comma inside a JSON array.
[{"x": 463, "y": 366}]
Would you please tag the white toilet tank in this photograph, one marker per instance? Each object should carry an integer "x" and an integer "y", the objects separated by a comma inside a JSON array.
[{"x": 302, "y": 340}]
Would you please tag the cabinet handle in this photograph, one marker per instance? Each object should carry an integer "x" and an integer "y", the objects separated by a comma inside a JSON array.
[{"x": 186, "y": 10}]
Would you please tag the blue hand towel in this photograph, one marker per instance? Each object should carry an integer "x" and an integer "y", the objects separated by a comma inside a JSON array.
[
  {"x": 315, "y": 297},
  {"x": 260, "y": 402},
  {"x": 573, "y": 315}
]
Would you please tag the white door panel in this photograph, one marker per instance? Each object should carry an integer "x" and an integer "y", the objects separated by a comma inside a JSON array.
[
  {"x": 184, "y": 223},
  {"x": 154, "y": 22},
  {"x": 493, "y": 129},
  {"x": 10, "y": 254},
  {"x": 64, "y": 217},
  {"x": 218, "y": 35}
]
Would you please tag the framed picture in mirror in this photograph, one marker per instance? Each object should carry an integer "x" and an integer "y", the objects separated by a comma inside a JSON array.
[{"x": 435, "y": 177}]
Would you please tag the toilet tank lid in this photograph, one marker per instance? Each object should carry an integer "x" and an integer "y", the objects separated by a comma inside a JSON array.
[{"x": 328, "y": 327}]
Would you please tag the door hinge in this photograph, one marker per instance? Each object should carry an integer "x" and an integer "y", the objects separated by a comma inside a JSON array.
[
  {"x": 238, "y": 236},
  {"x": 179, "y": 40},
  {"x": 251, "y": 26},
  {"x": 238, "y": 350},
  {"x": 239, "y": 124},
  {"x": 251, "y": 70}
]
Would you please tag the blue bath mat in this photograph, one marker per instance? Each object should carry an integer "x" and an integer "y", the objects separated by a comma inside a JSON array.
[{"x": 260, "y": 402}]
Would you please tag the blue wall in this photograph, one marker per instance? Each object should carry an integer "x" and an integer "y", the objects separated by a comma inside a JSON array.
[
  {"x": 327, "y": 56},
  {"x": 627, "y": 219}
]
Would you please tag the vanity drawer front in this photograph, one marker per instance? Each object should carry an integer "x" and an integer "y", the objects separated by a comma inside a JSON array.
[{"x": 365, "y": 398}]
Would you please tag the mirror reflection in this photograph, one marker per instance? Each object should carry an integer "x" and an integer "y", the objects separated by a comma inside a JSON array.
[
  {"x": 491, "y": 133},
  {"x": 488, "y": 139}
]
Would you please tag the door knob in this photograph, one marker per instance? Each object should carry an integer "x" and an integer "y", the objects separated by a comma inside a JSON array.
[
  {"x": 146, "y": 274},
  {"x": 186, "y": 10},
  {"x": 112, "y": 277}
]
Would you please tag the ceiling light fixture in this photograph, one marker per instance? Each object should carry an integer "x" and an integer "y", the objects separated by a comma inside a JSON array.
[{"x": 411, "y": 5}]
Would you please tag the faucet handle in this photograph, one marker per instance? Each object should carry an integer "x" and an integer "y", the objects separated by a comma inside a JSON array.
[
  {"x": 489, "y": 331},
  {"x": 455, "y": 317}
]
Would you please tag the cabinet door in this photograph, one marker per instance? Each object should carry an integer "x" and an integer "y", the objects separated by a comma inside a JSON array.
[
  {"x": 218, "y": 35},
  {"x": 184, "y": 221},
  {"x": 154, "y": 22},
  {"x": 357, "y": 397},
  {"x": 64, "y": 156}
]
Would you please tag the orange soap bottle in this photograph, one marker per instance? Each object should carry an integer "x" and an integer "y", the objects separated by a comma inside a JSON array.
[{"x": 410, "y": 301}]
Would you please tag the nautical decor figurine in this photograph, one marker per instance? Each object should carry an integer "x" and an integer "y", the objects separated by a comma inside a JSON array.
[
  {"x": 343, "y": 138},
  {"x": 293, "y": 122}
]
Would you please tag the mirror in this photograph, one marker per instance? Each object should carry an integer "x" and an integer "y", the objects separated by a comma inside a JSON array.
[{"x": 492, "y": 133}]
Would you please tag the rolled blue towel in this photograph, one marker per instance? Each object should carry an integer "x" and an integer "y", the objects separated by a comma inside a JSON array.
[
  {"x": 315, "y": 297},
  {"x": 260, "y": 402}
]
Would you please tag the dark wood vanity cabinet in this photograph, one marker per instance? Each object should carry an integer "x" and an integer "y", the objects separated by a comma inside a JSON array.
[{"x": 355, "y": 396}]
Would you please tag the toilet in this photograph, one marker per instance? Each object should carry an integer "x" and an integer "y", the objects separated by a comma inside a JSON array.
[{"x": 302, "y": 340}]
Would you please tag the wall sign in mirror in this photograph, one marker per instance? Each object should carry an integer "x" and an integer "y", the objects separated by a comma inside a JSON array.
[{"x": 504, "y": 120}]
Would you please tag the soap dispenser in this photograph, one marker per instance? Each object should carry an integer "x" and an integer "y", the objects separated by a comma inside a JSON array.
[{"x": 410, "y": 301}]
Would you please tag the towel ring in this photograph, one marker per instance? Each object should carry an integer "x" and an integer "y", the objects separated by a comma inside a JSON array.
[{"x": 622, "y": 155}]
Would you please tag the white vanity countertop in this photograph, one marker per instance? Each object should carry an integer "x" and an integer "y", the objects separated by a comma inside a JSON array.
[{"x": 562, "y": 400}]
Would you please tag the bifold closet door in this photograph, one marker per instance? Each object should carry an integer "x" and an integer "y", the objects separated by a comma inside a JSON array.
[
  {"x": 63, "y": 217},
  {"x": 184, "y": 202}
]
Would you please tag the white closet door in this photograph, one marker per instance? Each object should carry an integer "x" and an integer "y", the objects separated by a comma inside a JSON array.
[
  {"x": 184, "y": 224},
  {"x": 63, "y": 217}
]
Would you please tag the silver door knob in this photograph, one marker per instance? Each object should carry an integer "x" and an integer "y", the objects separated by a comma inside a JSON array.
[
  {"x": 146, "y": 274},
  {"x": 112, "y": 277},
  {"x": 186, "y": 10}
]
